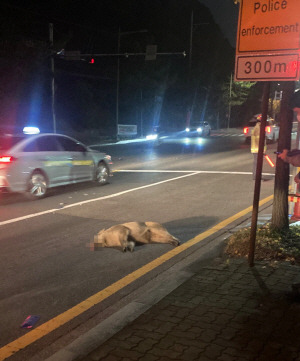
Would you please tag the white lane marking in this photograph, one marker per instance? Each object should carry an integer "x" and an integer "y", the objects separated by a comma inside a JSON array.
[
  {"x": 138, "y": 140},
  {"x": 183, "y": 171},
  {"x": 13, "y": 220},
  {"x": 191, "y": 173}
]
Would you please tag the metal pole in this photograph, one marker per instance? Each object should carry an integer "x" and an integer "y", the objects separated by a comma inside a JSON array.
[
  {"x": 191, "y": 41},
  {"x": 142, "y": 125},
  {"x": 265, "y": 102},
  {"x": 229, "y": 104},
  {"x": 52, "y": 76},
  {"x": 118, "y": 86}
]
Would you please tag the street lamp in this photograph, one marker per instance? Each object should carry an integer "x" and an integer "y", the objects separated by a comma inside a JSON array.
[{"x": 118, "y": 72}]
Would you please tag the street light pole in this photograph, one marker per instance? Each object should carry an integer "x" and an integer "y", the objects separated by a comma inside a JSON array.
[
  {"x": 118, "y": 87},
  {"x": 118, "y": 72},
  {"x": 191, "y": 41},
  {"x": 52, "y": 77},
  {"x": 229, "y": 104}
]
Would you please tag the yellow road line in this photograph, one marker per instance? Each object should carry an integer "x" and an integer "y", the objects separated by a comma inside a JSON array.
[{"x": 51, "y": 325}]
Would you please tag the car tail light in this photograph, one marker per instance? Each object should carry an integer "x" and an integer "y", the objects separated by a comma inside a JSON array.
[
  {"x": 6, "y": 159},
  {"x": 246, "y": 130},
  {"x": 268, "y": 129}
]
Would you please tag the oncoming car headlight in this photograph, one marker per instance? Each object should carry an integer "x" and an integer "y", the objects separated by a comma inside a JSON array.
[
  {"x": 151, "y": 136},
  {"x": 187, "y": 129},
  {"x": 199, "y": 129}
]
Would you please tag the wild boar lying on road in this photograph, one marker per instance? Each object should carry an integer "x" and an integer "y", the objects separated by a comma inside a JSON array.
[{"x": 127, "y": 234}]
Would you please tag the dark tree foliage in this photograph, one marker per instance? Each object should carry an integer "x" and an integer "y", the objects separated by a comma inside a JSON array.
[{"x": 159, "y": 91}]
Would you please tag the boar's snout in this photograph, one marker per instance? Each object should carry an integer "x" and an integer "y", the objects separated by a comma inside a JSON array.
[{"x": 175, "y": 242}]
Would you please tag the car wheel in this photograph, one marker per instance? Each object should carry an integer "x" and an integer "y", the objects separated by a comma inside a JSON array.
[
  {"x": 101, "y": 174},
  {"x": 37, "y": 186}
]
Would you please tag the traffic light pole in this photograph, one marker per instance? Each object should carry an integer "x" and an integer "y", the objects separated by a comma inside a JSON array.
[
  {"x": 77, "y": 56},
  {"x": 126, "y": 55},
  {"x": 118, "y": 88}
]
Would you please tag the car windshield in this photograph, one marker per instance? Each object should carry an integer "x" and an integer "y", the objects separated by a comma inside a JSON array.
[
  {"x": 201, "y": 124},
  {"x": 6, "y": 142}
]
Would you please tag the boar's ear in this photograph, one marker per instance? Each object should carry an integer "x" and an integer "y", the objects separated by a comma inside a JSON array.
[{"x": 102, "y": 230}]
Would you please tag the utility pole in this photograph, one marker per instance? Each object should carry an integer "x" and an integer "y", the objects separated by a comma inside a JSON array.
[
  {"x": 142, "y": 125},
  {"x": 118, "y": 70},
  {"x": 52, "y": 77},
  {"x": 229, "y": 103},
  {"x": 118, "y": 86},
  {"x": 191, "y": 38},
  {"x": 191, "y": 108},
  {"x": 191, "y": 42}
]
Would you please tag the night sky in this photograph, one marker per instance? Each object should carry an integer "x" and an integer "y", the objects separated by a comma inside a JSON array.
[
  {"x": 108, "y": 14},
  {"x": 225, "y": 13},
  {"x": 86, "y": 95}
]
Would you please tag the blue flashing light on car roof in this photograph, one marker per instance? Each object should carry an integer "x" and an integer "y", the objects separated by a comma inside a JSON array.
[{"x": 31, "y": 130}]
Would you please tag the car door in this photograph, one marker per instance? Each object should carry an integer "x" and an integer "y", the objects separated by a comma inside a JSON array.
[
  {"x": 45, "y": 153},
  {"x": 82, "y": 161}
]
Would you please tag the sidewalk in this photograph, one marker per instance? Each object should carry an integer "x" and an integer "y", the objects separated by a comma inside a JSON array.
[{"x": 223, "y": 311}]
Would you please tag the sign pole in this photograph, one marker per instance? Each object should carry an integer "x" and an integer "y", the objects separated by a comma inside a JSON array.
[{"x": 265, "y": 102}]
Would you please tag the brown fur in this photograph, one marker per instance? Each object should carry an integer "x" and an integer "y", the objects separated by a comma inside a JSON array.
[
  {"x": 115, "y": 236},
  {"x": 125, "y": 235}
]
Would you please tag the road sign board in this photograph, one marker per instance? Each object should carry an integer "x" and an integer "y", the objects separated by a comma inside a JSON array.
[
  {"x": 268, "y": 40},
  {"x": 268, "y": 25},
  {"x": 267, "y": 67}
]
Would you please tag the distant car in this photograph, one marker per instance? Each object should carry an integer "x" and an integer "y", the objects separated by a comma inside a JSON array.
[
  {"x": 201, "y": 129},
  {"x": 154, "y": 134},
  {"x": 35, "y": 163},
  {"x": 157, "y": 132},
  {"x": 272, "y": 129}
]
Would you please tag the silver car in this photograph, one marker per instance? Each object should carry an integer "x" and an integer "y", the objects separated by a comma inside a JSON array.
[
  {"x": 35, "y": 163},
  {"x": 201, "y": 129}
]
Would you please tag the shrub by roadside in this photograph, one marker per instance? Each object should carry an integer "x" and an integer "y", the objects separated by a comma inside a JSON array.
[{"x": 270, "y": 245}]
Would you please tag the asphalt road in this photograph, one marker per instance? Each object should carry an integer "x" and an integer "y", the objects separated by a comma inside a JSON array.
[{"x": 47, "y": 266}]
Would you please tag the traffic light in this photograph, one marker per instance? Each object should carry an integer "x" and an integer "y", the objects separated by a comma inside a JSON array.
[{"x": 92, "y": 61}]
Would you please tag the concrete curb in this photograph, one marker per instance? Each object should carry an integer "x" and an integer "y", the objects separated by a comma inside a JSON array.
[{"x": 109, "y": 327}]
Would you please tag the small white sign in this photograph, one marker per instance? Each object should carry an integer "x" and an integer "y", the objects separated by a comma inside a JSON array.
[{"x": 127, "y": 129}]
